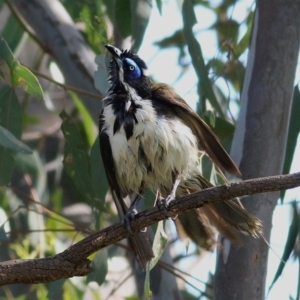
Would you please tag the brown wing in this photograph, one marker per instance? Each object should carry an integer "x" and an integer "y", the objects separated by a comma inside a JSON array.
[{"x": 206, "y": 137}]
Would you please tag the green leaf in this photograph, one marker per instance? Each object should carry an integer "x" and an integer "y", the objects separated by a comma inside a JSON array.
[
  {"x": 298, "y": 285},
  {"x": 159, "y": 6},
  {"x": 205, "y": 90},
  {"x": 11, "y": 120},
  {"x": 176, "y": 39},
  {"x": 243, "y": 44},
  {"x": 13, "y": 32},
  {"x": 294, "y": 130},
  {"x": 9, "y": 141},
  {"x": 87, "y": 121},
  {"x": 159, "y": 244},
  {"x": 123, "y": 17},
  {"x": 76, "y": 161},
  {"x": 55, "y": 290},
  {"x": 6, "y": 54},
  {"x": 10, "y": 111},
  {"x": 24, "y": 79},
  {"x": 290, "y": 243},
  {"x": 223, "y": 129},
  {"x": 20, "y": 76},
  {"x": 147, "y": 290},
  {"x": 99, "y": 266},
  {"x": 3, "y": 236},
  {"x": 140, "y": 15},
  {"x": 7, "y": 164}
]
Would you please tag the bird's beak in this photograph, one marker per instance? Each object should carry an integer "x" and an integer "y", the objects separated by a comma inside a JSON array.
[{"x": 116, "y": 53}]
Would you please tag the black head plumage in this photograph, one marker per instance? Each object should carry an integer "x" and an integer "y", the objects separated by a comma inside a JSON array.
[{"x": 127, "y": 68}]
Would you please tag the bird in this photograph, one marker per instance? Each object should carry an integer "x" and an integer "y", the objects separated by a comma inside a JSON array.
[{"x": 150, "y": 138}]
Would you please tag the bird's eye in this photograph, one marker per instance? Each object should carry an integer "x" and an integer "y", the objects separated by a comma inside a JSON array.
[{"x": 132, "y": 70}]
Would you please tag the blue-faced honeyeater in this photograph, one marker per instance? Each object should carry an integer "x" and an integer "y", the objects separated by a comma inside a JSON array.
[{"x": 151, "y": 139}]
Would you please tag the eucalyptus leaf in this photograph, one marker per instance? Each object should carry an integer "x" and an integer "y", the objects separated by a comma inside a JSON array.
[
  {"x": 20, "y": 75},
  {"x": 9, "y": 141},
  {"x": 123, "y": 17},
  {"x": 159, "y": 244},
  {"x": 147, "y": 290},
  {"x": 55, "y": 289},
  {"x": 140, "y": 15},
  {"x": 11, "y": 120},
  {"x": 76, "y": 161},
  {"x": 294, "y": 130},
  {"x": 99, "y": 266},
  {"x": 205, "y": 90},
  {"x": 23, "y": 78},
  {"x": 87, "y": 121},
  {"x": 290, "y": 243}
]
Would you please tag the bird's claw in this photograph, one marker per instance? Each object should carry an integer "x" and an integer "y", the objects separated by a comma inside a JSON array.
[
  {"x": 128, "y": 218},
  {"x": 165, "y": 203},
  {"x": 130, "y": 215}
]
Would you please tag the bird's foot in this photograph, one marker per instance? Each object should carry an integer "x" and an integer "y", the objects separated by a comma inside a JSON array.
[
  {"x": 128, "y": 218},
  {"x": 130, "y": 215},
  {"x": 165, "y": 203}
]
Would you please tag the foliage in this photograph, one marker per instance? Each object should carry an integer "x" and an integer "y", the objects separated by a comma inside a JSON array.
[{"x": 52, "y": 182}]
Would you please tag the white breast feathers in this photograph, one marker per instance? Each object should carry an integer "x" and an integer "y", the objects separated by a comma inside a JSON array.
[{"x": 159, "y": 149}]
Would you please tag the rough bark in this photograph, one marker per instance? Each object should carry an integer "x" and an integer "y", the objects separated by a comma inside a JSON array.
[
  {"x": 260, "y": 138},
  {"x": 73, "y": 261}
]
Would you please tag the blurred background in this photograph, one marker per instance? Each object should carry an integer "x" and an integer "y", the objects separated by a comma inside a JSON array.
[{"x": 53, "y": 190}]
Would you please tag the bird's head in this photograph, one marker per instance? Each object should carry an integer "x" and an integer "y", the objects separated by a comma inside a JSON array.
[{"x": 128, "y": 69}]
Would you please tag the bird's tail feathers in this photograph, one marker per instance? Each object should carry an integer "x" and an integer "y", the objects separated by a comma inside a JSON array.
[{"x": 227, "y": 217}]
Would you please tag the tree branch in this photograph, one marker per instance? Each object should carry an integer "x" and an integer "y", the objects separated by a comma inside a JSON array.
[{"x": 73, "y": 261}]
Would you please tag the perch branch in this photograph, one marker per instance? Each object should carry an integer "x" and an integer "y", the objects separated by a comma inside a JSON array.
[{"x": 73, "y": 261}]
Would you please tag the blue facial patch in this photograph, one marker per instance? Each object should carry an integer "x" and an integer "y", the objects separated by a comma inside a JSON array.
[{"x": 131, "y": 68}]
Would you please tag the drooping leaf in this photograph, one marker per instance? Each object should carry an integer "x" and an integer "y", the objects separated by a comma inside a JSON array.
[
  {"x": 6, "y": 54},
  {"x": 147, "y": 290},
  {"x": 3, "y": 236},
  {"x": 159, "y": 244},
  {"x": 9, "y": 141},
  {"x": 298, "y": 285},
  {"x": 294, "y": 130},
  {"x": 76, "y": 161},
  {"x": 99, "y": 266},
  {"x": 159, "y": 6},
  {"x": 140, "y": 15},
  {"x": 223, "y": 129},
  {"x": 227, "y": 30},
  {"x": 290, "y": 243},
  {"x": 6, "y": 166},
  {"x": 20, "y": 76},
  {"x": 73, "y": 291},
  {"x": 55, "y": 289},
  {"x": 11, "y": 120},
  {"x": 87, "y": 121},
  {"x": 12, "y": 32},
  {"x": 23, "y": 78},
  {"x": 123, "y": 17},
  {"x": 243, "y": 44},
  {"x": 205, "y": 90},
  {"x": 174, "y": 40}
]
